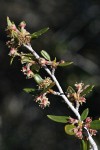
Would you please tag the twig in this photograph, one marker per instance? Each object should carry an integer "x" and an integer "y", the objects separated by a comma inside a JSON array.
[
  {"x": 56, "y": 82},
  {"x": 77, "y": 105},
  {"x": 53, "y": 71},
  {"x": 92, "y": 142}
]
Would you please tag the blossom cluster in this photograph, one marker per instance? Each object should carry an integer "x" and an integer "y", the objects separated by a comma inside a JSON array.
[
  {"x": 76, "y": 95},
  {"x": 18, "y": 36},
  {"x": 27, "y": 71},
  {"x": 42, "y": 100},
  {"x": 79, "y": 127}
]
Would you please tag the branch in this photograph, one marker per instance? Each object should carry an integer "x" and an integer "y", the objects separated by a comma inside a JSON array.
[
  {"x": 56, "y": 82},
  {"x": 92, "y": 142},
  {"x": 77, "y": 105},
  {"x": 75, "y": 110}
]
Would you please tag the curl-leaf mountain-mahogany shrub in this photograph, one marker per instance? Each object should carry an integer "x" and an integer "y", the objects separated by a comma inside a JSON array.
[{"x": 82, "y": 127}]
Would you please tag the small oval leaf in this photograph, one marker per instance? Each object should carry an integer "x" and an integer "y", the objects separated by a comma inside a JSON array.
[
  {"x": 85, "y": 145},
  {"x": 11, "y": 61},
  {"x": 9, "y": 23},
  {"x": 38, "y": 78},
  {"x": 28, "y": 55},
  {"x": 39, "y": 33},
  {"x": 60, "y": 119},
  {"x": 95, "y": 124},
  {"x": 64, "y": 64},
  {"x": 35, "y": 67},
  {"x": 87, "y": 90},
  {"x": 29, "y": 90},
  {"x": 69, "y": 129},
  {"x": 25, "y": 59},
  {"x": 45, "y": 55},
  {"x": 84, "y": 114},
  {"x": 70, "y": 90}
]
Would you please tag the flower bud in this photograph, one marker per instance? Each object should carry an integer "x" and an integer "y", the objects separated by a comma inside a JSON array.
[
  {"x": 22, "y": 24},
  {"x": 13, "y": 52}
]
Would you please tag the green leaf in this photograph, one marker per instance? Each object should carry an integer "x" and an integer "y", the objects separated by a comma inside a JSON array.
[
  {"x": 60, "y": 119},
  {"x": 11, "y": 61},
  {"x": 39, "y": 33},
  {"x": 45, "y": 55},
  {"x": 67, "y": 63},
  {"x": 9, "y": 23},
  {"x": 70, "y": 90},
  {"x": 29, "y": 90},
  {"x": 26, "y": 60},
  {"x": 28, "y": 55},
  {"x": 49, "y": 87},
  {"x": 85, "y": 145},
  {"x": 38, "y": 78},
  {"x": 32, "y": 91},
  {"x": 55, "y": 59},
  {"x": 95, "y": 124},
  {"x": 69, "y": 129},
  {"x": 87, "y": 90},
  {"x": 35, "y": 67},
  {"x": 84, "y": 114}
]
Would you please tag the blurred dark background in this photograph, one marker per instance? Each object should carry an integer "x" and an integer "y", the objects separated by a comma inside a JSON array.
[{"x": 74, "y": 35}]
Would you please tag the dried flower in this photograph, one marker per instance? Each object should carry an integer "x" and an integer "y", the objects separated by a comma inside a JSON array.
[
  {"x": 46, "y": 82},
  {"x": 23, "y": 37}
]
